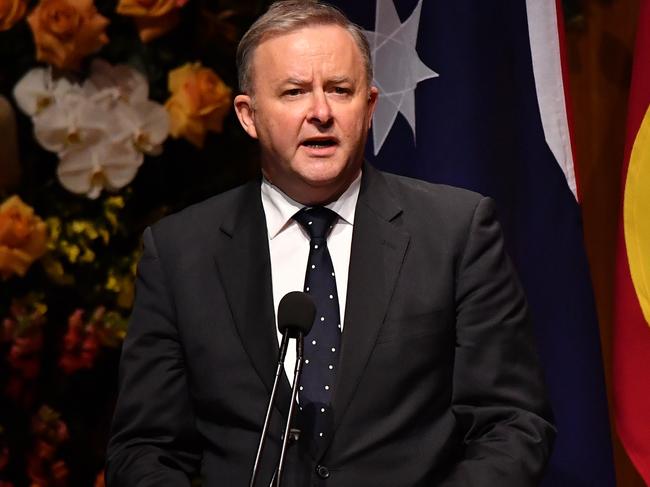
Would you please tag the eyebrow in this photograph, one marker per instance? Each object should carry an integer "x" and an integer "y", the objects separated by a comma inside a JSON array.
[
  {"x": 340, "y": 79},
  {"x": 294, "y": 81},
  {"x": 301, "y": 82}
]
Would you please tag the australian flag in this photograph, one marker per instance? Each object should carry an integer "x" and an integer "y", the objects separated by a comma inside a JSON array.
[{"x": 472, "y": 95}]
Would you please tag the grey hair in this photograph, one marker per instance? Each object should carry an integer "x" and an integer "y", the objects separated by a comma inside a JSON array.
[{"x": 286, "y": 16}]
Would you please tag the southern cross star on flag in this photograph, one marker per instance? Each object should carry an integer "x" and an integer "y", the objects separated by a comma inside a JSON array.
[{"x": 472, "y": 94}]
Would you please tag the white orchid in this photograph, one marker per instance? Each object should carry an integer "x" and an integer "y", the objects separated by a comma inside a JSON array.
[
  {"x": 38, "y": 90},
  {"x": 100, "y": 129},
  {"x": 131, "y": 85},
  {"x": 146, "y": 123},
  {"x": 89, "y": 170},
  {"x": 72, "y": 121}
]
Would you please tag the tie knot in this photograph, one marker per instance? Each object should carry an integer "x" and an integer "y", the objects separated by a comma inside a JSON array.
[{"x": 317, "y": 220}]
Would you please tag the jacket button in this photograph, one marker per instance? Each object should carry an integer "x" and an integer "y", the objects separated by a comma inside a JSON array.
[{"x": 322, "y": 471}]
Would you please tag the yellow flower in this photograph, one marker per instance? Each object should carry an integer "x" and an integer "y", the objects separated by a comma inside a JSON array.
[
  {"x": 71, "y": 251},
  {"x": 23, "y": 237},
  {"x": 112, "y": 205},
  {"x": 115, "y": 202},
  {"x": 152, "y": 17},
  {"x": 200, "y": 100},
  {"x": 54, "y": 229},
  {"x": 84, "y": 227},
  {"x": 66, "y": 31},
  {"x": 87, "y": 256},
  {"x": 103, "y": 233},
  {"x": 127, "y": 294},
  {"x": 123, "y": 287},
  {"x": 56, "y": 272},
  {"x": 11, "y": 11}
]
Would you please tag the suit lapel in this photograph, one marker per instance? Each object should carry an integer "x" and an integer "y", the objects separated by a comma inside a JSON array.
[
  {"x": 244, "y": 265},
  {"x": 378, "y": 249}
]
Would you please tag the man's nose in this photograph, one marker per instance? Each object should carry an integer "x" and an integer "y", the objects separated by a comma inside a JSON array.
[{"x": 320, "y": 110}]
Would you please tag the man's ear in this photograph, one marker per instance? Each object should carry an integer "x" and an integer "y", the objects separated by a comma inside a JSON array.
[
  {"x": 246, "y": 114},
  {"x": 373, "y": 94}
]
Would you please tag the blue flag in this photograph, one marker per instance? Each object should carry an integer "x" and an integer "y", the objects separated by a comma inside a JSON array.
[{"x": 471, "y": 94}]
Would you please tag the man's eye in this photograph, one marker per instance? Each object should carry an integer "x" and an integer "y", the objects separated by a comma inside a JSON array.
[
  {"x": 340, "y": 90},
  {"x": 293, "y": 92}
]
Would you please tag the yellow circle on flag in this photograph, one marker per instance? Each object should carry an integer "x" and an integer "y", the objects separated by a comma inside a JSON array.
[{"x": 636, "y": 215}]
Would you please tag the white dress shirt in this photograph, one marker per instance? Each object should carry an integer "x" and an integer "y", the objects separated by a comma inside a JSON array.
[{"x": 289, "y": 248}]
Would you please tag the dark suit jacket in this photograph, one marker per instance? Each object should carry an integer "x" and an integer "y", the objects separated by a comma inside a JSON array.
[{"x": 438, "y": 382}]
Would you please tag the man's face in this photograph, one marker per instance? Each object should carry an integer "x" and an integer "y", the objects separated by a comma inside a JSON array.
[{"x": 311, "y": 109}]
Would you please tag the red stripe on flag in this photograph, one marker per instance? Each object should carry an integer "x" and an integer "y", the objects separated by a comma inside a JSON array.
[
  {"x": 631, "y": 331},
  {"x": 640, "y": 87},
  {"x": 631, "y": 369}
]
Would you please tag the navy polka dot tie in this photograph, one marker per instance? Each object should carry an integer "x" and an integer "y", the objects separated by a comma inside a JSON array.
[{"x": 323, "y": 342}]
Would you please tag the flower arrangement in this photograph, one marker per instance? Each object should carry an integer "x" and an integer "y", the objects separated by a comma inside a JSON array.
[
  {"x": 152, "y": 17},
  {"x": 115, "y": 113},
  {"x": 23, "y": 237},
  {"x": 22, "y": 329},
  {"x": 44, "y": 465},
  {"x": 66, "y": 31},
  {"x": 83, "y": 339},
  {"x": 100, "y": 129},
  {"x": 199, "y": 102}
]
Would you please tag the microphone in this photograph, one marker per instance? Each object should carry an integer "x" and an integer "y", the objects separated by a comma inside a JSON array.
[
  {"x": 295, "y": 320},
  {"x": 296, "y": 313}
]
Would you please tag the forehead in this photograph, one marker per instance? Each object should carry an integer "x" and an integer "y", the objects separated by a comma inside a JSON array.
[{"x": 326, "y": 50}]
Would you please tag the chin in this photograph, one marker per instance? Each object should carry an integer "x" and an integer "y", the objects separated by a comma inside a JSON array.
[{"x": 325, "y": 172}]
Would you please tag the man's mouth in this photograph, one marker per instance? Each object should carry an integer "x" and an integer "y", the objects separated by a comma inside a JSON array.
[{"x": 319, "y": 142}]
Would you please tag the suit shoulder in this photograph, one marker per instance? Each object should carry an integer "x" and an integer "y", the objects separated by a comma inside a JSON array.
[
  {"x": 424, "y": 194},
  {"x": 205, "y": 215}
]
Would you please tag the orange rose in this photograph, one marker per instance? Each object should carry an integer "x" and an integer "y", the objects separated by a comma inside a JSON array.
[
  {"x": 23, "y": 237},
  {"x": 66, "y": 31},
  {"x": 200, "y": 100},
  {"x": 11, "y": 11},
  {"x": 152, "y": 17}
]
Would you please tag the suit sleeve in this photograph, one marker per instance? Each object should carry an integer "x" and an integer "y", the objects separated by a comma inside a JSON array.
[
  {"x": 498, "y": 392},
  {"x": 153, "y": 440}
]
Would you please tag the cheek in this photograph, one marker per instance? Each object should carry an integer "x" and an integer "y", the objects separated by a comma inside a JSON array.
[
  {"x": 355, "y": 126},
  {"x": 283, "y": 134},
  {"x": 283, "y": 131}
]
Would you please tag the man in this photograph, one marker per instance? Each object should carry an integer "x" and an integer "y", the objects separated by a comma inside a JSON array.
[{"x": 420, "y": 368}]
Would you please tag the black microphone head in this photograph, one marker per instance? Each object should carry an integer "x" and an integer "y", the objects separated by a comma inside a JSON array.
[{"x": 296, "y": 313}]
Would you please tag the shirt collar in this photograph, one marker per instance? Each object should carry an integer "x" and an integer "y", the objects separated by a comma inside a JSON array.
[{"x": 279, "y": 208}]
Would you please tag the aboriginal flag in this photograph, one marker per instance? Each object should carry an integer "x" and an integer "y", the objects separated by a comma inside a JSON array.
[
  {"x": 472, "y": 95},
  {"x": 632, "y": 316}
]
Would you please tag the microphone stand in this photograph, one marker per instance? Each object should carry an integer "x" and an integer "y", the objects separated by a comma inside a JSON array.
[
  {"x": 294, "y": 392},
  {"x": 283, "y": 352}
]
